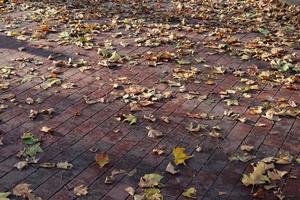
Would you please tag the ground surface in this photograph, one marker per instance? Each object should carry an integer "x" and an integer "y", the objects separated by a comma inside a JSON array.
[{"x": 221, "y": 81}]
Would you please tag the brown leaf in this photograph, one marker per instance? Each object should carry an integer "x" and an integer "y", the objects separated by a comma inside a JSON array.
[
  {"x": 21, "y": 189},
  {"x": 102, "y": 159}
]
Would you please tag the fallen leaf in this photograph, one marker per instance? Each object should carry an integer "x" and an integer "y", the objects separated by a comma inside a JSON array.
[
  {"x": 276, "y": 174},
  {"x": 68, "y": 85},
  {"x": 130, "y": 190},
  {"x": 46, "y": 129},
  {"x": 47, "y": 165},
  {"x": 130, "y": 118},
  {"x": 152, "y": 133},
  {"x": 33, "y": 150},
  {"x": 29, "y": 139},
  {"x": 258, "y": 175},
  {"x": 21, "y": 189},
  {"x": 171, "y": 169},
  {"x": 80, "y": 190},
  {"x": 152, "y": 194},
  {"x": 29, "y": 101},
  {"x": 33, "y": 114},
  {"x": 180, "y": 156},
  {"x": 102, "y": 159},
  {"x": 245, "y": 157},
  {"x": 111, "y": 178},
  {"x": 158, "y": 151},
  {"x": 190, "y": 193},
  {"x": 150, "y": 180},
  {"x": 231, "y": 102},
  {"x": 247, "y": 148},
  {"x": 64, "y": 165},
  {"x": 192, "y": 127},
  {"x": 21, "y": 165},
  {"x": 165, "y": 119},
  {"x": 284, "y": 158},
  {"x": 4, "y": 195}
]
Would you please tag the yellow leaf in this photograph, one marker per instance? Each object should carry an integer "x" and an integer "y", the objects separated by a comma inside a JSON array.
[
  {"x": 102, "y": 159},
  {"x": 284, "y": 158},
  {"x": 190, "y": 193},
  {"x": 180, "y": 156},
  {"x": 258, "y": 175},
  {"x": 150, "y": 180}
]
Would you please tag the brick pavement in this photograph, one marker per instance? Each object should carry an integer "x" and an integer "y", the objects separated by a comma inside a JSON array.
[{"x": 80, "y": 129}]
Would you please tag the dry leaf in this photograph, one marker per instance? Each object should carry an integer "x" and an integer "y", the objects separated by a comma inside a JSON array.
[
  {"x": 21, "y": 165},
  {"x": 21, "y": 189},
  {"x": 81, "y": 190},
  {"x": 102, "y": 159},
  {"x": 150, "y": 180},
  {"x": 171, "y": 169},
  {"x": 64, "y": 165},
  {"x": 247, "y": 147},
  {"x": 46, "y": 129},
  {"x": 152, "y": 133},
  {"x": 130, "y": 190}
]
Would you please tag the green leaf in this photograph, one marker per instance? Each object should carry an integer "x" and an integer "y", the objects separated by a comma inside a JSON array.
[
  {"x": 264, "y": 31},
  {"x": 115, "y": 57},
  {"x": 131, "y": 119},
  {"x": 298, "y": 160},
  {"x": 30, "y": 139},
  {"x": 4, "y": 195},
  {"x": 64, "y": 34},
  {"x": 153, "y": 193},
  {"x": 190, "y": 193},
  {"x": 33, "y": 150},
  {"x": 150, "y": 180}
]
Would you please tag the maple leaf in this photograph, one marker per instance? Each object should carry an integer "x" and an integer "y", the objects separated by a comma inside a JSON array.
[
  {"x": 190, "y": 193},
  {"x": 102, "y": 159},
  {"x": 180, "y": 156},
  {"x": 33, "y": 150},
  {"x": 150, "y": 180},
  {"x": 130, "y": 118},
  {"x": 258, "y": 175}
]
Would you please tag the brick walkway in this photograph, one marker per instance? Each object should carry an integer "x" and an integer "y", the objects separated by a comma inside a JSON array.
[{"x": 80, "y": 130}]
